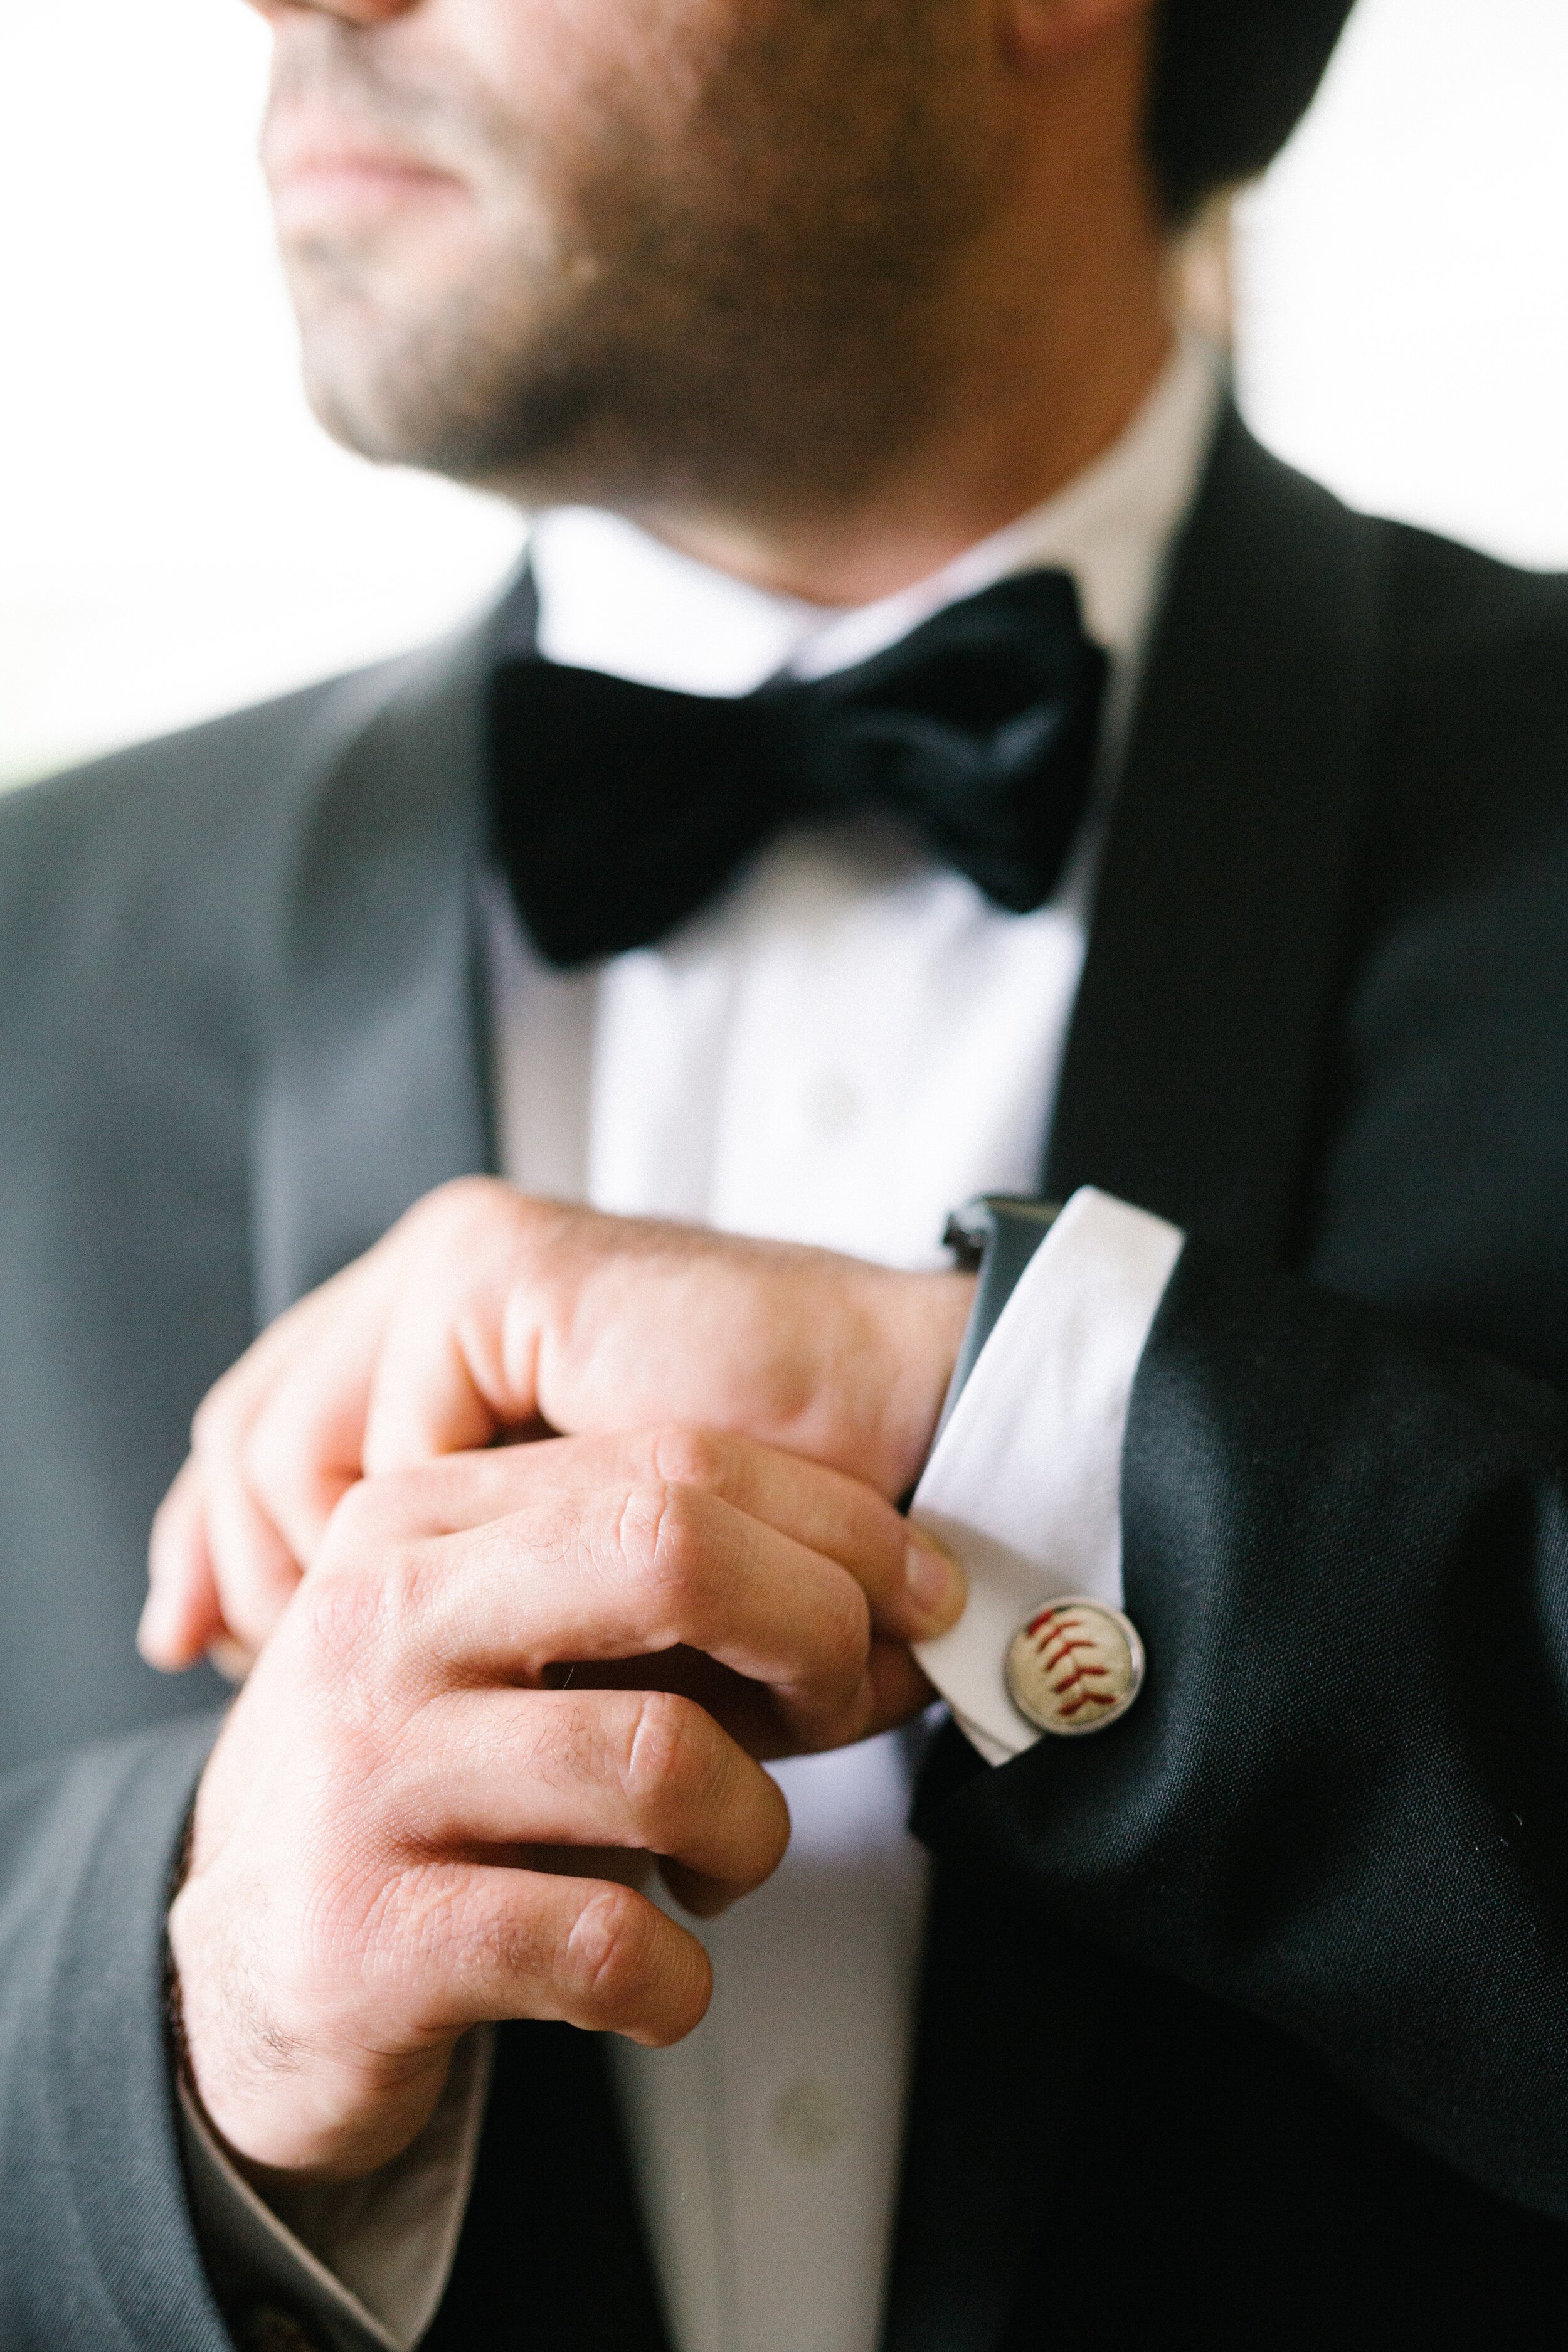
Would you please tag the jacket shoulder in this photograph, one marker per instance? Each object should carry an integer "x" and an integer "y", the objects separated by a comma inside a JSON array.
[
  {"x": 181, "y": 794},
  {"x": 168, "y": 856},
  {"x": 1445, "y": 600},
  {"x": 1438, "y": 598},
  {"x": 1475, "y": 707}
]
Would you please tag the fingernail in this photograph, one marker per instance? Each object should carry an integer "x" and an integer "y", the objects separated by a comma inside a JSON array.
[{"x": 935, "y": 1583}]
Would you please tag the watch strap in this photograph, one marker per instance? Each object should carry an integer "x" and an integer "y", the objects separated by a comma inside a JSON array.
[{"x": 993, "y": 1235}]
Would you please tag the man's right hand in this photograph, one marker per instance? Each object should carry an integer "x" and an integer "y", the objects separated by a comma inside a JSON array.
[{"x": 401, "y": 1829}]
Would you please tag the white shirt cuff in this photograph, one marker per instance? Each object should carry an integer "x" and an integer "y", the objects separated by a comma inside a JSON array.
[
  {"x": 364, "y": 2263},
  {"x": 1025, "y": 1482}
]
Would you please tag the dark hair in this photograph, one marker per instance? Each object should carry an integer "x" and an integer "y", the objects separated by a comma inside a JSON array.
[{"x": 1231, "y": 81}]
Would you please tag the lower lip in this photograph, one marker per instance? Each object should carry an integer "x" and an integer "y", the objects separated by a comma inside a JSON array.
[{"x": 337, "y": 187}]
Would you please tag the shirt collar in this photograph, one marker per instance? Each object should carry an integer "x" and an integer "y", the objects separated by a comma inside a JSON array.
[{"x": 613, "y": 598}]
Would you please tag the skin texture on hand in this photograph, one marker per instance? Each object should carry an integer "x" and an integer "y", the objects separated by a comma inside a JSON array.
[
  {"x": 401, "y": 1829},
  {"x": 485, "y": 1313}
]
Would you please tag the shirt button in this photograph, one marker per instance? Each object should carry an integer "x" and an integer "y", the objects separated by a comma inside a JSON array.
[
  {"x": 263, "y": 2328},
  {"x": 809, "y": 2119}
]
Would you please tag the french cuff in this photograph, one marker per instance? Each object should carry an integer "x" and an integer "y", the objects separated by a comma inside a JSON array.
[
  {"x": 1024, "y": 1483},
  {"x": 362, "y": 2264}
]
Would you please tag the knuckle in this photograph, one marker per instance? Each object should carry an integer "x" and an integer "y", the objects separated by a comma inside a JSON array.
[
  {"x": 268, "y": 1454},
  {"x": 682, "y": 1536},
  {"x": 458, "y": 1202},
  {"x": 673, "y": 1758},
  {"x": 665, "y": 1540},
  {"x": 218, "y": 1422},
  {"x": 468, "y": 1218},
  {"x": 847, "y": 1627},
  {"x": 341, "y": 1614},
  {"x": 682, "y": 1457},
  {"x": 376, "y": 1513},
  {"x": 416, "y": 1913},
  {"x": 609, "y": 1949},
  {"x": 364, "y": 1615},
  {"x": 361, "y": 1522}
]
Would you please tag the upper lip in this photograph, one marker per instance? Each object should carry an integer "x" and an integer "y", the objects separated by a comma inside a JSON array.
[{"x": 297, "y": 154}]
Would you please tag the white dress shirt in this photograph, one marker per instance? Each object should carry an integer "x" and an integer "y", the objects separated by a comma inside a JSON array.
[{"x": 848, "y": 1043}]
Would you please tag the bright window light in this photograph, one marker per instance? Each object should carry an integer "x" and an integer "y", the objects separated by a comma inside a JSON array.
[{"x": 1403, "y": 274}]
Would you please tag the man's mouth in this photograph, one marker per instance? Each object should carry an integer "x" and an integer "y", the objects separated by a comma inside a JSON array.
[{"x": 319, "y": 176}]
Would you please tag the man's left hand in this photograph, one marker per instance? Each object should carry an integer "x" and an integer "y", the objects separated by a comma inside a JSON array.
[{"x": 485, "y": 1313}]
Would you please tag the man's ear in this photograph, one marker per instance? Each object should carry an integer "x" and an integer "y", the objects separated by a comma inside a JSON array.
[{"x": 1048, "y": 32}]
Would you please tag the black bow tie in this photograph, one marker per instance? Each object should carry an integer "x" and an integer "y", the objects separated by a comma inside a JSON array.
[{"x": 620, "y": 810}]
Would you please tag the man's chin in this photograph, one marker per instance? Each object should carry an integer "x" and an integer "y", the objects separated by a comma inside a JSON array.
[
  {"x": 361, "y": 417},
  {"x": 435, "y": 393},
  {"x": 405, "y": 413},
  {"x": 345, "y": 203},
  {"x": 385, "y": 373}
]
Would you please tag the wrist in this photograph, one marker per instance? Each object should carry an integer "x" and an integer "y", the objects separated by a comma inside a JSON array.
[
  {"x": 288, "y": 2101},
  {"x": 928, "y": 1317},
  {"x": 297, "y": 2121}
]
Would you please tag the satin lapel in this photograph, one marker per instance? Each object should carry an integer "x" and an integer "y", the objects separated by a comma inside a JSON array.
[
  {"x": 374, "y": 1086},
  {"x": 1195, "y": 1062},
  {"x": 1192, "y": 1074}
]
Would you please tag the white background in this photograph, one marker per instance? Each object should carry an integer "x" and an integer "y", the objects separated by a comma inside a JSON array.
[{"x": 176, "y": 536}]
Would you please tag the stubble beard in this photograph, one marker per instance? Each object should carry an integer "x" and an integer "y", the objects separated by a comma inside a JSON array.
[{"x": 753, "y": 312}]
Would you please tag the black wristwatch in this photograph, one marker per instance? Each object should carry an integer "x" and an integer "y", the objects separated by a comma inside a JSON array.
[{"x": 994, "y": 1236}]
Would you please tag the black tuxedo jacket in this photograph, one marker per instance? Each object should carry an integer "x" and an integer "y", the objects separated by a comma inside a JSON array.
[{"x": 1247, "y": 2021}]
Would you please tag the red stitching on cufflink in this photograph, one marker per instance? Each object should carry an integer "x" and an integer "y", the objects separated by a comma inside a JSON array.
[{"x": 1052, "y": 1633}]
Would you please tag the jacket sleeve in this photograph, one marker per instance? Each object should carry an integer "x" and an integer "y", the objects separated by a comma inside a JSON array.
[
  {"x": 97, "y": 2246},
  {"x": 1340, "y": 1801}
]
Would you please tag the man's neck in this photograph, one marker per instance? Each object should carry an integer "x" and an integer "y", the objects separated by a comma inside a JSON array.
[
  {"x": 1034, "y": 404},
  {"x": 614, "y": 598}
]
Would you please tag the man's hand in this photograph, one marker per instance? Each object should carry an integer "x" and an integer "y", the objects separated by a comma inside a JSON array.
[
  {"x": 484, "y": 1314},
  {"x": 383, "y": 1847}
]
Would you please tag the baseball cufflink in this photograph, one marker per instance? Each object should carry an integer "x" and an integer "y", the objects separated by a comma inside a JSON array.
[{"x": 1075, "y": 1666}]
